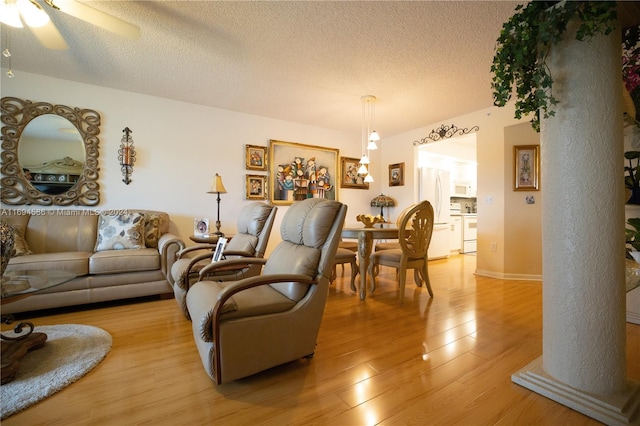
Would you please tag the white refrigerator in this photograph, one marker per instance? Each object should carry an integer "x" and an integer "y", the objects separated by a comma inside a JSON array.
[{"x": 434, "y": 187}]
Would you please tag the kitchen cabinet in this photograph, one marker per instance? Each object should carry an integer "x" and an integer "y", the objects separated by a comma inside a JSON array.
[{"x": 455, "y": 241}]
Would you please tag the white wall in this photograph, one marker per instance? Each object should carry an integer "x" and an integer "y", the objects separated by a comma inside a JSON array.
[
  {"x": 491, "y": 178},
  {"x": 180, "y": 146}
]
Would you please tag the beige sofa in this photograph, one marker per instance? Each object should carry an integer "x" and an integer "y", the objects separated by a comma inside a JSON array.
[{"x": 111, "y": 260}]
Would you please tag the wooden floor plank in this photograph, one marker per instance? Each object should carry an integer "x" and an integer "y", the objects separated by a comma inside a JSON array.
[{"x": 441, "y": 360}]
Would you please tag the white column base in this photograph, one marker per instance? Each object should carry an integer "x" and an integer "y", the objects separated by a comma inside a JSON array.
[{"x": 619, "y": 409}]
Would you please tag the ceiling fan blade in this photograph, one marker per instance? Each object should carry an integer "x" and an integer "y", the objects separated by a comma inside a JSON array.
[
  {"x": 49, "y": 36},
  {"x": 100, "y": 19}
]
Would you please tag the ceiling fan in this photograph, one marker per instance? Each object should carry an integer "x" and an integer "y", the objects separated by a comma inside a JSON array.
[{"x": 14, "y": 12}]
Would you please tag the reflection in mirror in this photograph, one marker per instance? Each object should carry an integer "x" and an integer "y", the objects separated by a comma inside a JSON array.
[{"x": 49, "y": 154}]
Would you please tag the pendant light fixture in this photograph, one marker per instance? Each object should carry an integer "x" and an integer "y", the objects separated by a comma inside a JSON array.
[{"x": 369, "y": 134}]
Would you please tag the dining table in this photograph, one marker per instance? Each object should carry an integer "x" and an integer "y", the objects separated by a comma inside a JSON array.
[{"x": 365, "y": 237}]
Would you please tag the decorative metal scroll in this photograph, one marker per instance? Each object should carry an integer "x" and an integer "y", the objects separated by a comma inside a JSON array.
[
  {"x": 445, "y": 132},
  {"x": 16, "y": 188}
]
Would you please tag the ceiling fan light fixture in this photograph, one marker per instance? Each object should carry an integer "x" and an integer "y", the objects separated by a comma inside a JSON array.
[
  {"x": 9, "y": 14},
  {"x": 32, "y": 13}
]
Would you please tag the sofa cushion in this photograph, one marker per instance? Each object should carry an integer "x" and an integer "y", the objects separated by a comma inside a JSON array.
[
  {"x": 75, "y": 261},
  {"x": 152, "y": 229},
  {"x": 20, "y": 246},
  {"x": 62, "y": 231},
  {"x": 122, "y": 231},
  {"x": 128, "y": 260}
]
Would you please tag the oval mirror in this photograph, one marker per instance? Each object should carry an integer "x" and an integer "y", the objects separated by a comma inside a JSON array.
[{"x": 49, "y": 154}]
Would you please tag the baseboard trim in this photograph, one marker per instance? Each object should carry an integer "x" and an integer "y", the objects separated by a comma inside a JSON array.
[
  {"x": 503, "y": 276},
  {"x": 620, "y": 409},
  {"x": 633, "y": 317}
]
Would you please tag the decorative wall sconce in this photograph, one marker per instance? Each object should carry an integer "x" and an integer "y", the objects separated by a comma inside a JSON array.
[
  {"x": 444, "y": 132},
  {"x": 217, "y": 187},
  {"x": 127, "y": 155}
]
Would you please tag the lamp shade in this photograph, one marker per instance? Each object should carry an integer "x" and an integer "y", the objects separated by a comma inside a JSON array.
[
  {"x": 383, "y": 201},
  {"x": 217, "y": 187}
]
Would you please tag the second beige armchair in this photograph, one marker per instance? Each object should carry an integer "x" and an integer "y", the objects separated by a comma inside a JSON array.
[{"x": 253, "y": 230}]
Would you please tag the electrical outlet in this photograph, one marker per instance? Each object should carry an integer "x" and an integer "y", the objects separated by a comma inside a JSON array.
[{"x": 494, "y": 247}]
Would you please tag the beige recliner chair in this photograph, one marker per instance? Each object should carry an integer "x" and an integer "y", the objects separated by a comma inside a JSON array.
[
  {"x": 246, "y": 326},
  {"x": 253, "y": 230}
]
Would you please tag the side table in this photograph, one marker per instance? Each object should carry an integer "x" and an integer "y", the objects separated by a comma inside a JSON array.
[{"x": 205, "y": 239}]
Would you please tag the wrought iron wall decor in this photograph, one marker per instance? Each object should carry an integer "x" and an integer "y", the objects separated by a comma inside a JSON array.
[
  {"x": 53, "y": 186},
  {"x": 444, "y": 132},
  {"x": 127, "y": 155}
]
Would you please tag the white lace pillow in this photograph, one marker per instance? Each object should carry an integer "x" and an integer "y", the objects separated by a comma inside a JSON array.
[{"x": 118, "y": 232}]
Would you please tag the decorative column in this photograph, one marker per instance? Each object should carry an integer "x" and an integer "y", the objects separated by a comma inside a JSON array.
[{"x": 583, "y": 362}]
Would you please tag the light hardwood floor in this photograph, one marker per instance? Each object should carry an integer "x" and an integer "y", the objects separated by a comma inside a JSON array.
[{"x": 446, "y": 360}]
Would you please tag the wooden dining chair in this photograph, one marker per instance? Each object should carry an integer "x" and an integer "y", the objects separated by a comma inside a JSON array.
[{"x": 415, "y": 230}]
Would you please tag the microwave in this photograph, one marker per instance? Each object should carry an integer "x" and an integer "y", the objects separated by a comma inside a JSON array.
[{"x": 461, "y": 189}]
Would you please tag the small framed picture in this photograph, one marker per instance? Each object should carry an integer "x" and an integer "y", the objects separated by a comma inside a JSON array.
[
  {"x": 217, "y": 254},
  {"x": 396, "y": 174},
  {"x": 350, "y": 176},
  {"x": 201, "y": 227},
  {"x": 256, "y": 157},
  {"x": 256, "y": 187},
  {"x": 526, "y": 167}
]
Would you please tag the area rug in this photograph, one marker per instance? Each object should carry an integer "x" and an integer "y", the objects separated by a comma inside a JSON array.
[{"x": 71, "y": 351}]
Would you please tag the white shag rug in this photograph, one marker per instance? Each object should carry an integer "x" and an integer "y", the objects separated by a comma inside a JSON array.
[{"x": 71, "y": 351}]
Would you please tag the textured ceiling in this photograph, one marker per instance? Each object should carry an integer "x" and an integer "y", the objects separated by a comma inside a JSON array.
[{"x": 307, "y": 62}]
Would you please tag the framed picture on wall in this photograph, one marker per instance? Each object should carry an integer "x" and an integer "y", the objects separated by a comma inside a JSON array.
[
  {"x": 256, "y": 157},
  {"x": 298, "y": 171},
  {"x": 350, "y": 176},
  {"x": 256, "y": 187},
  {"x": 396, "y": 174},
  {"x": 526, "y": 168}
]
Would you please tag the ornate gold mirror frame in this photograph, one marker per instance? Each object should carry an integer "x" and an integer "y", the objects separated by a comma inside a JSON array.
[{"x": 16, "y": 188}]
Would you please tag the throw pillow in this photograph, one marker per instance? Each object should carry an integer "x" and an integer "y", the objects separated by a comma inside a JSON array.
[
  {"x": 118, "y": 232},
  {"x": 151, "y": 229},
  {"x": 20, "y": 246}
]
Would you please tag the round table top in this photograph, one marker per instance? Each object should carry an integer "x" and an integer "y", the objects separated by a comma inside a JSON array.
[{"x": 379, "y": 231}]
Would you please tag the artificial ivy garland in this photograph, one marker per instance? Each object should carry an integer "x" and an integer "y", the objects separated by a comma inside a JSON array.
[{"x": 525, "y": 40}]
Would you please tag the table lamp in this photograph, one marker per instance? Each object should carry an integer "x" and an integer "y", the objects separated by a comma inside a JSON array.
[
  {"x": 382, "y": 201},
  {"x": 217, "y": 188}
]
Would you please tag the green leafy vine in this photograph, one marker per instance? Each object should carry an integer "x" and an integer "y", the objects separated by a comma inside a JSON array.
[{"x": 519, "y": 65}]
